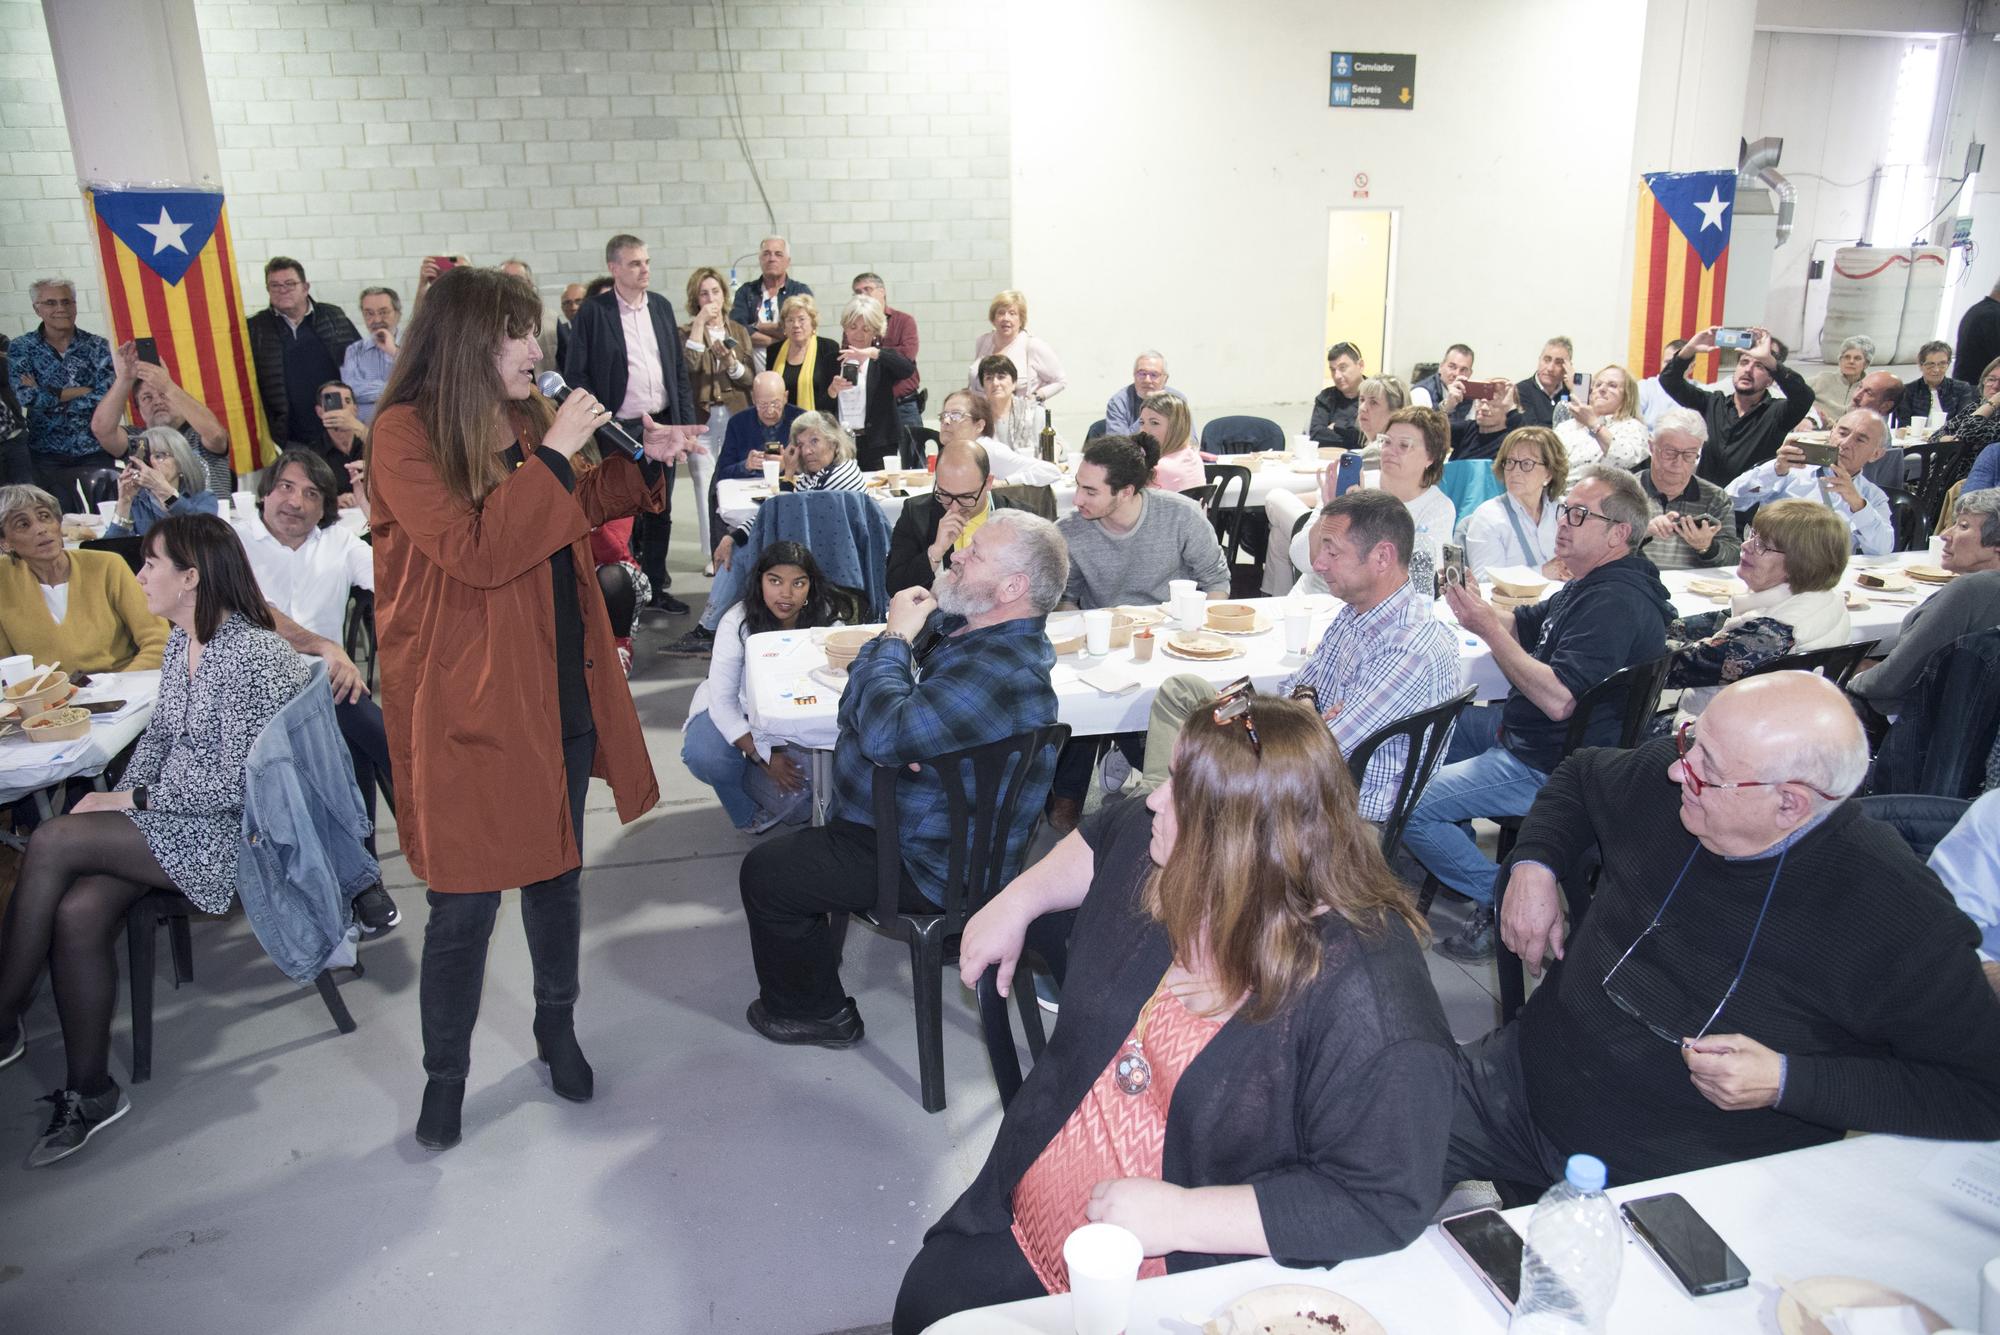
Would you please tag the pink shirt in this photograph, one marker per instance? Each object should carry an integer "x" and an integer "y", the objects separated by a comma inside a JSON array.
[
  {"x": 1180, "y": 470},
  {"x": 645, "y": 380}
]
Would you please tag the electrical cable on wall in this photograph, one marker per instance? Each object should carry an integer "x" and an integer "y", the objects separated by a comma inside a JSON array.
[{"x": 736, "y": 107}]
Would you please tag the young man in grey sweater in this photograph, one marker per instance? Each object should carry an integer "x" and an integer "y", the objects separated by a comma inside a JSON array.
[{"x": 1127, "y": 540}]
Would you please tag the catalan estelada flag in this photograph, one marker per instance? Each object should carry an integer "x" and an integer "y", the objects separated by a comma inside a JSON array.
[
  {"x": 1681, "y": 264},
  {"x": 169, "y": 275}
]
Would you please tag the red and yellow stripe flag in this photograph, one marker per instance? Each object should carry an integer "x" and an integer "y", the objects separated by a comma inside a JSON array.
[
  {"x": 1681, "y": 263},
  {"x": 169, "y": 275}
]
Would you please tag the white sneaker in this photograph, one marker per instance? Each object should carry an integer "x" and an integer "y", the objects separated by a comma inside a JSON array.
[{"x": 1114, "y": 771}]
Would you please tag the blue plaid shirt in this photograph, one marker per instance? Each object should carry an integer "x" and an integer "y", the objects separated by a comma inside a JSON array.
[
  {"x": 1394, "y": 660},
  {"x": 57, "y": 429},
  {"x": 967, "y": 690}
]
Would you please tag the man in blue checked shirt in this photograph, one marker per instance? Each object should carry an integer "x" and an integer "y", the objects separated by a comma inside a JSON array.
[
  {"x": 60, "y": 373},
  {"x": 961, "y": 664},
  {"x": 1385, "y": 657}
]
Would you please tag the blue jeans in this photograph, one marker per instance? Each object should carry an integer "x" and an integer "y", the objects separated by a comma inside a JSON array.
[
  {"x": 742, "y": 787},
  {"x": 1479, "y": 777}
]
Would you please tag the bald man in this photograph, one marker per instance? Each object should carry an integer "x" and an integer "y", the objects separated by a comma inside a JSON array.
[
  {"x": 1859, "y": 437},
  {"x": 1763, "y": 967},
  {"x": 941, "y": 522}
]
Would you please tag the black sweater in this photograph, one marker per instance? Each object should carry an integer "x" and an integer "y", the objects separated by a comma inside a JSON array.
[
  {"x": 1865, "y": 976},
  {"x": 1336, "y": 1110},
  {"x": 1738, "y": 443}
]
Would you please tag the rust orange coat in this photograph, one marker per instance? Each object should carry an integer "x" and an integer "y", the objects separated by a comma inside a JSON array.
[{"x": 465, "y": 625}]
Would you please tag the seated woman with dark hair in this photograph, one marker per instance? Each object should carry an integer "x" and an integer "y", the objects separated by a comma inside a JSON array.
[
  {"x": 161, "y": 477},
  {"x": 175, "y": 822},
  {"x": 1251, "y": 1060},
  {"x": 80, "y": 610}
]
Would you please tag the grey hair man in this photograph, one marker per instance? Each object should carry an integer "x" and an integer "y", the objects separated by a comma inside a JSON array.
[
  {"x": 757, "y": 305},
  {"x": 1693, "y": 523},
  {"x": 1149, "y": 376},
  {"x": 366, "y": 365},
  {"x": 1968, "y": 604},
  {"x": 61, "y": 373}
]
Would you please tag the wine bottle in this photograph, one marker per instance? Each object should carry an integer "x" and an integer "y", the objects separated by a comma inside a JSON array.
[{"x": 1048, "y": 435}]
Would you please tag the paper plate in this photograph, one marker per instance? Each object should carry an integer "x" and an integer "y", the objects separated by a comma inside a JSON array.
[
  {"x": 1930, "y": 574},
  {"x": 1167, "y": 648},
  {"x": 1829, "y": 1292},
  {"x": 1259, "y": 626},
  {"x": 1292, "y": 1309}
]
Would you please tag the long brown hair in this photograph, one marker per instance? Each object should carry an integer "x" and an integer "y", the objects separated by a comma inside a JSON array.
[
  {"x": 445, "y": 373},
  {"x": 1267, "y": 835}
]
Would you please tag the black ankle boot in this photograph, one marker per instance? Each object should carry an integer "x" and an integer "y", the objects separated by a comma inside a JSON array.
[
  {"x": 437, "y": 1124},
  {"x": 555, "y": 1043}
]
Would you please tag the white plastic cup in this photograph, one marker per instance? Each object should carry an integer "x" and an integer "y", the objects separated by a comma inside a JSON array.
[
  {"x": 223, "y": 509},
  {"x": 1305, "y": 450},
  {"x": 16, "y": 668},
  {"x": 107, "y": 510},
  {"x": 1178, "y": 589},
  {"x": 245, "y": 502},
  {"x": 1298, "y": 626},
  {"x": 1103, "y": 1261},
  {"x": 771, "y": 470},
  {"x": 1097, "y": 632},
  {"x": 1191, "y": 610}
]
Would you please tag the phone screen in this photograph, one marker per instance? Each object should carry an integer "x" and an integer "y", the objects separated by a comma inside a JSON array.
[
  {"x": 146, "y": 350},
  {"x": 1682, "y": 1239},
  {"x": 331, "y": 401},
  {"x": 1493, "y": 1248}
]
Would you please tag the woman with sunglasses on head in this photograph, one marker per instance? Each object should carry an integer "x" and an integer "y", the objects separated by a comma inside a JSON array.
[
  {"x": 967, "y": 416},
  {"x": 1251, "y": 1061},
  {"x": 501, "y": 685}
]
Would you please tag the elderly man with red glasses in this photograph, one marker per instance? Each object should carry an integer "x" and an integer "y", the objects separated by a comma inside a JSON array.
[{"x": 1764, "y": 967}]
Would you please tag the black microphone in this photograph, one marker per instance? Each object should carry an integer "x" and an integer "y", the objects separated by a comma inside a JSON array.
[{"x": 552, "y": 384}]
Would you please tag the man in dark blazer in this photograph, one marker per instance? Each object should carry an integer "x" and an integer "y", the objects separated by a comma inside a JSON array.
[
  {"x": 934, "y": 526},
  {"x": 625, "y": 348}
]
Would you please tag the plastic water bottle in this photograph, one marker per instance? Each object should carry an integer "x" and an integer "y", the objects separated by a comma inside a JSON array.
[{"x": 1575, "y": 1246}]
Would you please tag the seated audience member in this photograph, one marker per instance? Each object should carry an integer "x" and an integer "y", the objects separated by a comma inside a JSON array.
[
  {"x": 966, "y": 417},
  {"x": 1384, "y": 658},
  {"x": 806, "y": 362},
  {"x": 751, "y": 437},
  {"x": 1549, "y": 385},
  {"x": 1478, "y": 434},
  {"x": 1149, "y": 377},
  {"x": 1860, "y": 437},
  {"x": 985, "y": 661},
  {"x": 1038, "y": 375},
  {"x": 1018, "y": 418},
  {"x": 1242, "y": 896},
  {"x": 1612, "y": 614},
  {"x": 899, "y": 335},
  {"x": 1968, "y": 862},
  {"x": 1164, "y": 419},
  {"x": 62, "y": 374},
  {"x": 1967, "y": 604},
  {"x": 760, "y": 783},
  {"x": 80, "y": 610},
  {"x": 1608, "y": 427},
  {"x": 1936, "y": 397},
  {"x": 296, "y": 342},
  {"x": 1644, "y": 1050},
  {"x": 161, "y": 477},
  {"x": 343, "y": 441},
  {"x": 1442, "y": 389},
  {"x": 861, "y": 383},
  {"x": 1977, "y": 428},
  {"x": 1792, "y": 562},
  {"x": 945, "y": 519},
  {"x": 175, "y": 822},
  {"x": 1748, "y": 423},
  {"x": 1694, "y": 521},
  {"x": 1127, "y": 541},
  {"x": 1376, "y": 399},
  {"x": 1413, "y": 450},
  {"x": 1518, "y": 527},
  {"x": 721, "y": 360},
  {"x": 1880, "y": 392},
  {"x": 1332, "y": 421},
  {"x": 1833, "y": 389},
  {"x": 1653, "y": 401},
  {"x": 161, "y": 402},
  {"x": 366, "y": 365},
  {"x": 819, "y": 457}
]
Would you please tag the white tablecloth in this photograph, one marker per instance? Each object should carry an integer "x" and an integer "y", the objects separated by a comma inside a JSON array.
[
  {"x": 788, "y": 704},
  {"x": 28, "y": 767},
  {"x": 1850, "y": 1208}
]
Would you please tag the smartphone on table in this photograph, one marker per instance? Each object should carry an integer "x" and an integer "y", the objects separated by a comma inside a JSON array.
[
  {"x": 1489, "y": 1244},
  {"x": 146, "y": 350},
  {"x": 1692, "y": 1251}
]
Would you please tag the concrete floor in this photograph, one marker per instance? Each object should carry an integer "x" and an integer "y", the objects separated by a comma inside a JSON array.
[{"x": 266, "y": 1179}]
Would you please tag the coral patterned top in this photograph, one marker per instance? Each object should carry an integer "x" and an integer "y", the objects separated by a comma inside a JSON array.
[{"x": 1111, "y": 1134}]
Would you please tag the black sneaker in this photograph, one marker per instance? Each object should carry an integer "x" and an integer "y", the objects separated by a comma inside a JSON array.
[
  {"x": 76, "y": 1120},
  {"x": 697, "y": 643},
  {"x": 664, "y": 601},
  {"x": 375, "y": 911},
  {"x": 840, "y": 1030},
  {"x": 1473, "y": 943}
]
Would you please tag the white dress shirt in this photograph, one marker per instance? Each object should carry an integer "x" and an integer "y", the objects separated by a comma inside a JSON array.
[
  {"x": 645, "y": 380},
  {"x": 1874, "y": 535},
  {"x": 309, "y": 584}
]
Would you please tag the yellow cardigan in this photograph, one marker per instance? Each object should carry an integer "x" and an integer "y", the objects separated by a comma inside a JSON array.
[{"x": 108, "y": 627}]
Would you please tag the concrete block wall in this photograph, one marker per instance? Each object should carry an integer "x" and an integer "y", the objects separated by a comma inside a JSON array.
[{"x": 360, "y": 137}]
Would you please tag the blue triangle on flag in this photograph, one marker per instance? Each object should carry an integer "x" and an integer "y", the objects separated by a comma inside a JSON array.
[
  {"x": 1701, "y": 205},
  {"x": 165, "y": 229}
]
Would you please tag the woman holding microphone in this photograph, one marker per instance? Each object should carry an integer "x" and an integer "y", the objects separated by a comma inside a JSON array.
[{"x": 501, "y": 686}]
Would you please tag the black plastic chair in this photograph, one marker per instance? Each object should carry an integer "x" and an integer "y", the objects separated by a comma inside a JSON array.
[
  {"x": 1579, "y": 889},
  {"x": 1242, "y": 435},
  {"x": 915, "y": 438},
  {"x": 357, "y": 635},
  {"x": 1095, "y": 430},
  {"x": 1921, "y": 818},
  {"x": 1940, "y": 742},
  {"x": 1426, "y": 730},
  {"x": 1223, "y": 511},
  {"x": 1201, "y": 495},
  {"x": 1836, "y": 664},
  {"x": 1946, "y": 466},
  {"x": 975, "y": 871},
  {"x": 1906, "y": 517},
  {"x": 130, "y": 549},
  {"x": 171, "y": 909}
]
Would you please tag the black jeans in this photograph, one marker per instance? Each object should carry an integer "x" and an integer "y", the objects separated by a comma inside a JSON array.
[
  {"x": 790, "y": 885},
  {"x": 1079, "y": 758},
  {"x": 368, "y": 747},
  {"x": 956, "y": 1272},
  {"x": 651, "y": 532},
  {"x": 1493, "y": 1131},
  {"x": 455, "y": 941}
]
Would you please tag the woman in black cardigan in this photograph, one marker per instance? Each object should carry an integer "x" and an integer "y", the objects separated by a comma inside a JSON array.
[
  {"x": 1309, "y": 1125},
  {"x": 807, "y": 362},
  {"x": 871, "y": 369}
]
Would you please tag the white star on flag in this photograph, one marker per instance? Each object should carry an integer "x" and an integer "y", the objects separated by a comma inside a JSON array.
[
  {"x": 166, "y": 233},
  {"x": 1711, "y": 212}
]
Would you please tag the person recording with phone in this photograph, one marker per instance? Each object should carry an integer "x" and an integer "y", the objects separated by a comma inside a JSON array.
[
  {"x": 161, "y": 477},
  {"x": 139, "y": 378},
  {"x": 498, "y": 661},
  {"x": 343, "y": 443},
  {"x": 720, "y": 360},
  {"x": 861, "y": 385},
  {"x": 1694, "y": 521},
  {"x": 1831, "y": 474},
  {"x": 1747, "y": 423}
]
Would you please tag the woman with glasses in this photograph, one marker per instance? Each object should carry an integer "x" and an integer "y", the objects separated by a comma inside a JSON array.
[
  {"x": 1793, "y": 561},
  {"x": 162, "y": 476},
  {"x": 1935, "y": 398},
  {"x": 1251, "y": 1060},
  {"x": 1518, "y": 527},
  {"x": 818, "y": 456},
  {"x": 967, "y": 416},
  {"x": 1833, "y": 389},
  {"x": 1413, "y": 452}
]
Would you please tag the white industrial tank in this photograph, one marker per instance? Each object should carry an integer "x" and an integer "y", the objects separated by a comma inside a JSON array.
[{"x": 1889, "y": 293}]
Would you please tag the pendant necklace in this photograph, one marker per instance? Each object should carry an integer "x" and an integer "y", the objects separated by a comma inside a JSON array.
[{"x": 1132, "y": 1073}]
